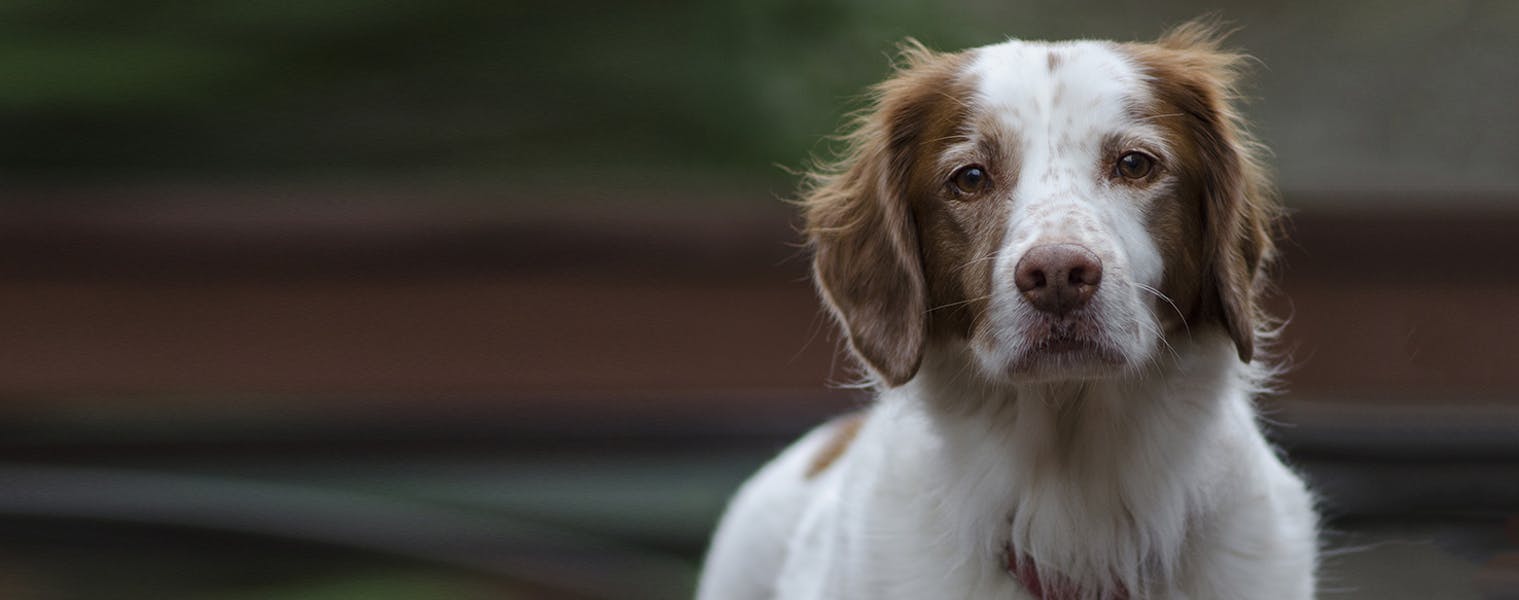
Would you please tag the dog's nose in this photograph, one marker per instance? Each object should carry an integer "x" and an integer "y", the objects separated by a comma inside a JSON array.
[{"x": 1058, "y": 278}]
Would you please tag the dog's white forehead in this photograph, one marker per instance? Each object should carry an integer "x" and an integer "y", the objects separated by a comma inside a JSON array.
[
  {"x": 1073, "y": 89},
  {"x": 1064, "y": 106}
]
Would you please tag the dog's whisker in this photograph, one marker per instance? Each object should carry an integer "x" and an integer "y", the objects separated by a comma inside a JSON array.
[
  {"x": 972, "y": 262},
  {"x": 960, "y": 302},
  {"x": 1162, "y": 296}
]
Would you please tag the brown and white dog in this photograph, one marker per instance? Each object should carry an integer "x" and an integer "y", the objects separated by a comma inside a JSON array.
[{"x": 1049, "y": 257}]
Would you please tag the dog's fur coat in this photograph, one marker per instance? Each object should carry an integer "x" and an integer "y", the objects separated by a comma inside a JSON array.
[{"x": 1100, "y": 448}]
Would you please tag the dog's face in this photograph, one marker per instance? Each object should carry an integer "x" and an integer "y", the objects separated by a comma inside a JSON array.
[{"x": 1063, "y": 209}]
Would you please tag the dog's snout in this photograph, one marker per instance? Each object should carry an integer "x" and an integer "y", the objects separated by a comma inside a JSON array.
[{"x": 1058, "y": 278}]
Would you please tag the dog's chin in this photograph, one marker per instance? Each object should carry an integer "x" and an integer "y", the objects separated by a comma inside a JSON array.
[
  {"x": 1058, "y": 358},
  {"x": 1054, "y": 350}
]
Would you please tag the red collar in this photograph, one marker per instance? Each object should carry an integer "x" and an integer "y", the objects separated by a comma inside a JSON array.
[{"x": 1054, "y": 588}]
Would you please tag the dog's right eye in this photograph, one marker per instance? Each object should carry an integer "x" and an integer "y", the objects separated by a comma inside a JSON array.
[
  {"x": 1135, "y": 165},
  {"x": 970, "y": 180}
]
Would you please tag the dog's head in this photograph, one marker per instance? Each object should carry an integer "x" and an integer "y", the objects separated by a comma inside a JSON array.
[{"x": 1062, "y": 208}]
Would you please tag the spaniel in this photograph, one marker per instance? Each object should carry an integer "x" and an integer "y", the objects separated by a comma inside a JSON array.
[{"x": 1049, "y": 258}]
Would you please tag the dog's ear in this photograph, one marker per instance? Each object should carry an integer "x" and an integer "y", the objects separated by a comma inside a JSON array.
[
  {"x": 1190, "y": 72},
  {"x": 859, "y": 221}
]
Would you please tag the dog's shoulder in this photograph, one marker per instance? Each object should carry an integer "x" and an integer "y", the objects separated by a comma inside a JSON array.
[
  {"x": 749, "y": 547},
  {"x": 839, "y": 434}
]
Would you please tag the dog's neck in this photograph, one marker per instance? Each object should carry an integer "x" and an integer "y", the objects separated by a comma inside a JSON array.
[{"x": 1095, "y": 482}]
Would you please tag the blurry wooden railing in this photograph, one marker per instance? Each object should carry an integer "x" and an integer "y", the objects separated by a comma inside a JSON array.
[{"x": 170, "y": 296}]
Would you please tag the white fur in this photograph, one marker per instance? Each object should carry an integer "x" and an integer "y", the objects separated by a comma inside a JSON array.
[
  {"x": 1162, "y": 484},
  {"x": 1154, "y": 479},
  {"x": 1060, "y": 120}
]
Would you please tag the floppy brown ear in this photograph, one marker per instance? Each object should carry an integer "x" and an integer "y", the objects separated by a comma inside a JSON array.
[
  {"x": 868, "y": 272},
  {"x": 866, "y": 260},
  {"x": 1190, "y": 72}
]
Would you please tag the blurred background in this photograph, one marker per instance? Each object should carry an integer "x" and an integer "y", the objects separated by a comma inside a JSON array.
[{"x": 453, "y": 299}]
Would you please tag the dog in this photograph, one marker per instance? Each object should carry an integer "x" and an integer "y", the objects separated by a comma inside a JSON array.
[{"x": 1049, "y": 260}]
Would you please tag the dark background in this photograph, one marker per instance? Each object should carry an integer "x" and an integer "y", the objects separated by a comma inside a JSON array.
[{"x": 346, "y": 299}]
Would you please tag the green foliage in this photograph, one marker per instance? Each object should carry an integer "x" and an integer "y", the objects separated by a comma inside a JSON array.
[
  {"x": 376, "y": 586},
  {"x": 537, "y": 92},
  {"x": 237, "y": 87}
]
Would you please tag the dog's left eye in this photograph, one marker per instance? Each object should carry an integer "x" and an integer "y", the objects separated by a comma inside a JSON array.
[
  {"x": 970, "y": 179},
  {"x": 1135, "y": 165}
]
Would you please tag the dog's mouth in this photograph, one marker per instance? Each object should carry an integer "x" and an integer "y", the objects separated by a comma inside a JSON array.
[
  {"x": 1066, "y": 345},
  {"x": 1065, "y": 348}
]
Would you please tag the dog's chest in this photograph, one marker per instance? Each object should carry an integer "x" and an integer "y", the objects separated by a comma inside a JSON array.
[
  {"x": 851, "y": 555},
  {"x": 878, "y": 528}
]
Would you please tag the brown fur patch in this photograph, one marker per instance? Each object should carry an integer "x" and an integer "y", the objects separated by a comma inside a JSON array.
[
  {"x": 860, "y": 213},
  {"x": 844, "y": 430},
  {"x": 1227, "y": 212}
]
